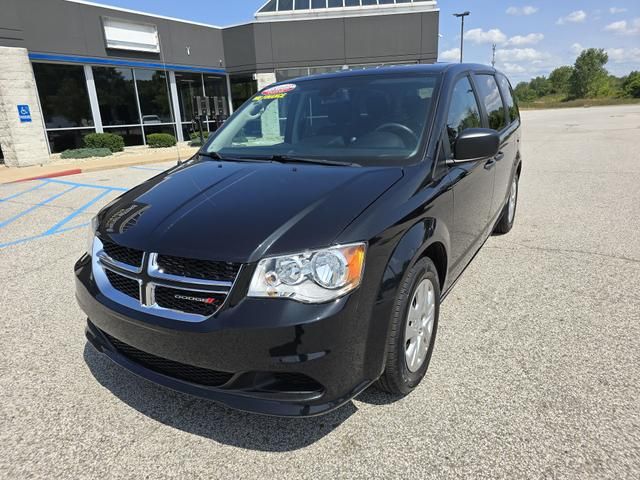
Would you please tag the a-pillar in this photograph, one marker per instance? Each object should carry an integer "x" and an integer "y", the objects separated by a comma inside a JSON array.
[{"x": 270, "y": 119}]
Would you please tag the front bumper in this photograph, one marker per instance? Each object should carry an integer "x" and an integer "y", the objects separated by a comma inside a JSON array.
[{"x": 268, "y": 356}]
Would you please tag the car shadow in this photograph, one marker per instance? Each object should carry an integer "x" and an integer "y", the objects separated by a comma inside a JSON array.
[
  {"x": 208, "y": 419},
  {"x": 373, "y": 396}
]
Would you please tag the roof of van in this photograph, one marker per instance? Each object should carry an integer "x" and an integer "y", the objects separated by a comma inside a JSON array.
[{"x": 435, "y": 68}]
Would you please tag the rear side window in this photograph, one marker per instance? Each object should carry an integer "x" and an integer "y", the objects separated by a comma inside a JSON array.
[
  {"x": 507, "y": 93},
  {"x": 463, "y": 110},
  {"x": 490, "y": 96}
]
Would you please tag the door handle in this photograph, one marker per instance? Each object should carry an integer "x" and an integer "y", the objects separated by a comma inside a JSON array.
[
  {"x": 490, "y": 163},
  {"x": 499, "y": 156}
]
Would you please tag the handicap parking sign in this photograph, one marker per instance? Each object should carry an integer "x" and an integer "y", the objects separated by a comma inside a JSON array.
[{"x": 24, "y": 113}]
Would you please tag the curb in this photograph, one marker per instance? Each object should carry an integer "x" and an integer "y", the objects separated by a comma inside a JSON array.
[
  {"x": 90, "y": 169},
  {"x": 63, "y": 173}
]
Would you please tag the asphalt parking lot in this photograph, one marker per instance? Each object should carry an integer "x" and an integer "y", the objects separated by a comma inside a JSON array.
[{"x": 535, "y": 372}]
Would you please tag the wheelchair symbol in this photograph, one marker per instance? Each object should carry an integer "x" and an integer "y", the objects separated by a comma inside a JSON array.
[{"x": 24, "y": 113}]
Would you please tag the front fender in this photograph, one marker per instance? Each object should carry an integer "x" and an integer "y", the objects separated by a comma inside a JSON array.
[{"x": 411, "y": 247}]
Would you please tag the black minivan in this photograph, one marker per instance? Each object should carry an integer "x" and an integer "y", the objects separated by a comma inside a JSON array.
[{"x": 303, "y": 253}]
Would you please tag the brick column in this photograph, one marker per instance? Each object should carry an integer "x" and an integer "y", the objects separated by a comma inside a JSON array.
[{"x": 23, "y": 144}]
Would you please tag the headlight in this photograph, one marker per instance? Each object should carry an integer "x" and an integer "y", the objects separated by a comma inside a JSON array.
[
  {"x": 93, "y": 226},
  {"x": 315, "y": 276}
]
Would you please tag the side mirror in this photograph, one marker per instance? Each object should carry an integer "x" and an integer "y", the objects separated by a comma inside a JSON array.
[{"x": 476, "y": 143}]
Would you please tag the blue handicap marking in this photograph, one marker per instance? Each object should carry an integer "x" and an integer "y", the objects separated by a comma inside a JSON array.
[
  {"x": 24, "y": 113},
  {"x": 72, "y": 221}
]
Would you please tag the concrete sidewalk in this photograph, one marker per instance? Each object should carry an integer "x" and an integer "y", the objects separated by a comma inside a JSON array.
[{"x": 131, "y": 156}]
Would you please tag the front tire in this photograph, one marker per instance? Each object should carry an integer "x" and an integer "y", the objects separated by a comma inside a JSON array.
[
  {"x": 414, "y": 324},
  {"x": 508, "y": 216}
]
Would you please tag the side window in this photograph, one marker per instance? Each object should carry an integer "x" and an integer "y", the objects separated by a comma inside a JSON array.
[
  {"x": 490, "y": 96},
  {"x": 507, "y": 93},
  {"x": 463, "y": 110}
]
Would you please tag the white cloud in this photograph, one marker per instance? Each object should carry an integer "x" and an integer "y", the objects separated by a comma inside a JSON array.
[
  {"x": 495, "y": 35},
  {"x": 526, "y": 10},
  {"x": 623, "y": 27},
  {"x": 477, "y": 35},
  {"x": 623, "y": 55},
  {"x": 449, "y": 55},
  {"x": 521, "y": 55},
  {"x": 578, "y": 16},
  {"x": 530, "y": 39},
  {"x": 576, "y": 48},
  {"x": 614, "y": 10},
  {"x": 511, "y": 68}
]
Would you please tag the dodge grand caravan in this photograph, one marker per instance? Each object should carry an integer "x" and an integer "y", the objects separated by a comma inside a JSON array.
[{"x": 303, "y": 253}]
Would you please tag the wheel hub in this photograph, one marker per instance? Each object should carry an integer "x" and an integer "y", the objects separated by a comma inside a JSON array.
[
  {"x": 513, "y": 196},
  {"x": 419, "y": 325}
]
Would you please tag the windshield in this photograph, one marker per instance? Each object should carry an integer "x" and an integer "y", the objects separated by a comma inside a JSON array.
[{"x": 365, "y": 119}]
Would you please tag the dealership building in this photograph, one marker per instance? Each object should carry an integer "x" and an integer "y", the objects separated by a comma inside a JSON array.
[{"x": 69, "y": 67}]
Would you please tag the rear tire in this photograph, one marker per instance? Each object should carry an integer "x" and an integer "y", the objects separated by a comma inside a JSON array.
[
  {"x": 508, "y": 216},
  {"x": 414, "y": 323}
]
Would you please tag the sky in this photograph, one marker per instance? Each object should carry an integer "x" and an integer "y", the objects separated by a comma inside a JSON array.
[{"x": 532, "y": 37}]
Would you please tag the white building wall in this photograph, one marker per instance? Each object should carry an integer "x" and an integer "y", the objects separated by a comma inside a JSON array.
[{"x": 23, "y": 144}]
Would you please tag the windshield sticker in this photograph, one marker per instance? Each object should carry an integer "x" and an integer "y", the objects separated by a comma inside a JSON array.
[
  {"x": 287, "y": 87},
  {"x": 269, "y": 97},
  {"x": 273, "y": 93}
]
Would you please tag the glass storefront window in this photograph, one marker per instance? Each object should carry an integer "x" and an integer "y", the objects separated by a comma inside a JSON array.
[
  {"x": 216, "y": 88},
  {"x": 61, "y": 140},
  {"x": 132, "y": 136},
  {"x": 289, "y": 73},
  {"x": 242, "y": 89},
  {"x": 187, "y": 130},
  {"x": 116, "y": 96},
  {"x": 133, "y": 102},
  {"x": 189, "y": 85},
  {"x": 153, "y": 93},
  {"x": 63, "y": 95},
  {"x": 148, "y": 129}
]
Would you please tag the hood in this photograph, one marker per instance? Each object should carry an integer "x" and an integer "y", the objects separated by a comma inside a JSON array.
[{"x": 240, "y": 211}]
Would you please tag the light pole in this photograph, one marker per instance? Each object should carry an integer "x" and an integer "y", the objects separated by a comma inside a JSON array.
[{"x": 461, "y": 17}]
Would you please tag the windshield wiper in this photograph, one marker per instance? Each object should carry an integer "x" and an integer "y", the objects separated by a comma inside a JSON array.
[
  {"x": 217, "y": 156},
  {"x": 277, "y": 158},
  {"x": 318, "y": 161},
  {"x": 213, "y": 155}
]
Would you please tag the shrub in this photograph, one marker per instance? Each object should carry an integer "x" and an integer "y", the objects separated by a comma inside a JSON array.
[
  {"x": 195, "y": 138},
  {"x": 86, "y": 153},
  {"x": 196, "y": 135},
  {"x": 160, "y": 140},
  {"x": 113, "y": 142}
]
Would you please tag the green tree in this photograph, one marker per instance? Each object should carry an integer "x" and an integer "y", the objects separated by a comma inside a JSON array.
[
  {"x": 589, "y": 78},
  {"x": 524, "y": 93},
  {"x": 560, "y": 79},
  {"x": 540, "y": 86},
  {"x": 631, "y": 85}
]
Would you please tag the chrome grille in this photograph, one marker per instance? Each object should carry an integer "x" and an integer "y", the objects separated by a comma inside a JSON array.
[
  {"x": 200, "y": 269},
  {"x": 128, "y": 256},
  {"x": 148, "y": 288},
  {"x": 123, "y": 284}
]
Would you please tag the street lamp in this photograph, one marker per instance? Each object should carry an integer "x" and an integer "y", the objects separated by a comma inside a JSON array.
[{"x": 461, "y": 17}]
